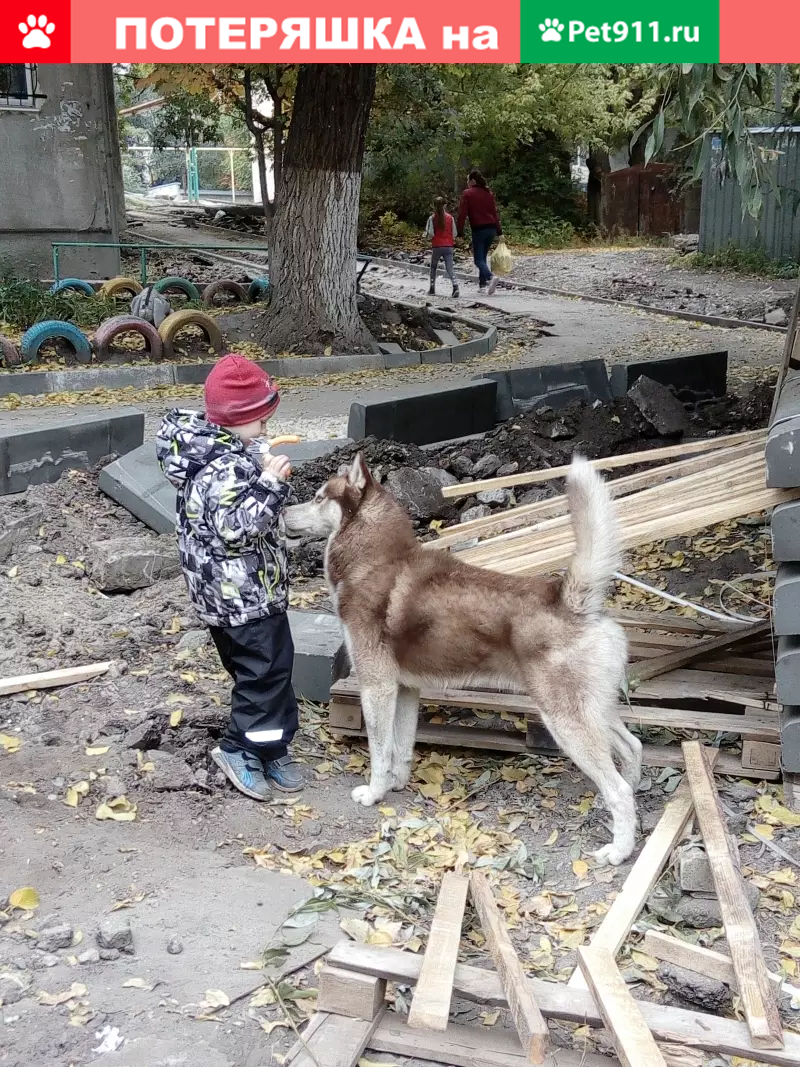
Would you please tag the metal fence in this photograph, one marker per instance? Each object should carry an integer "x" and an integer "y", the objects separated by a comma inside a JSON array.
[{"x": 777, "y": 231}]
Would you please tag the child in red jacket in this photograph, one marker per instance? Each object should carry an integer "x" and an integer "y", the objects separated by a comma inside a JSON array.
[{"x": 441, "y": 228}]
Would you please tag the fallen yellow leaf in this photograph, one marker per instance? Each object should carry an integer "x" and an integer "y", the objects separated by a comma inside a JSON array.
[
  {"x": 175, "y": 717},
  {"x": 97, "y": 750},
  {"x": 644, "y": 960},
  {"x": 268, "y": 1027},
  {"x": 264, "y": 998},
  {"x": 120, "y": 809},
  {"x": 136, "y": 983},
  {"x": 52, "y": 1000},
  {"x": 580, "y": 868},
  {"x": 61, "y": 559},
  {"x": 9, "y": 743},
  {"x": 27, "y": 899},
  {"x": 552, "y": 838},
  {"x": 489, "y": 1018},
  {"x": 13, "y": 572},
  {"x": 74, "y": 794},
  {"x": 215, "y": 998}
]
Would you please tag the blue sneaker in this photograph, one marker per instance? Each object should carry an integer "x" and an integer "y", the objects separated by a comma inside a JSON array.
[
  {"x": 284, "y": 774},
  {"x": 244, "y": 770}
]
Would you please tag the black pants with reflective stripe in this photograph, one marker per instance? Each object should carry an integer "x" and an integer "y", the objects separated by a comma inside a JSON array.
[{"x": 259, "y": 657}]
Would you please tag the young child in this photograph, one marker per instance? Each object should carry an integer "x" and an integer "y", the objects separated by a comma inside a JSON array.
[
  {"x": 441, "y": 228},
  {"x": 229, "y": 514}
]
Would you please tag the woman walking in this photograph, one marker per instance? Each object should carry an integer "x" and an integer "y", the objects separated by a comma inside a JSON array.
[
  {"x": 478, "y": 205},
  {"x": 441, "y": 228}
]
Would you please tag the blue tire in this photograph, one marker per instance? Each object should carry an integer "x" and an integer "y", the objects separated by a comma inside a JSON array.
[
  {"x": 74, "y": 284},
  {"x": 259, "y": 290},
  {"x": 35, "y": 337}
]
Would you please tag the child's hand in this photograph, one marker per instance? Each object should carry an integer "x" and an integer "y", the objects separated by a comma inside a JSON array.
[{"x": 279, "y": 466}]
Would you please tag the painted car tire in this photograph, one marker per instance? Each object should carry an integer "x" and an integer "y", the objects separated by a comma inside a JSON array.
[
  {"x": 118, "y": 286},
  {"x": 119, "y": 324},
  {"x": 76, "y": 285},
  {"x": 174, "y": 323},
  {"x": 179, "y": 285},
  {"x": 224, "y": 285},
  {"x": 34, "y": 338},
  {"x": 259, "y": 290}
]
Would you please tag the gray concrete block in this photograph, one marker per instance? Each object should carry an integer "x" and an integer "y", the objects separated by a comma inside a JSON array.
[
  {"x": 427, "y": 416},
  {"x": 790, "y": 739},
  {"x": 787, "y": 671},
  {"x": 785, "y": 525},
  {"x": 392, "y": 360},
  {"x": 317, "y": 640},
  {"x": 557, "y": 399},
  {"x": 24, "y": 383},
  {"x": 137, "y": 482},
  {"x": 83, "y": 380},
  {"x": 437, "y": 355},
  {"x": 469, "y": 350},
  {"x": 587, "y": 379},
  {"x": 694, "y": 870},
  {"x": 305, "y": 366},
  {"x": 782, "y": 451},
  {"x": 390, "y": 348},
  {"x": 695, "y": 376},
  {"x": 786, "y": 601},
  {"x": 448, "y": 338},
  {"x": 39, "y": 450}
]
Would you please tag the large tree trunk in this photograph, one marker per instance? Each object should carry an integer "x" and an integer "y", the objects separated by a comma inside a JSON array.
[{"x": 313, "y": 307}]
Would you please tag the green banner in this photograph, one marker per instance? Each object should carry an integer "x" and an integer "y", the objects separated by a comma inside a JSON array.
[{"x": 620, "y": 31}]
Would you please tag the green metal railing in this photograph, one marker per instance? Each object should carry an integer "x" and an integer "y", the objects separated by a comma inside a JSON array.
[{"x": 143, "y": 250}]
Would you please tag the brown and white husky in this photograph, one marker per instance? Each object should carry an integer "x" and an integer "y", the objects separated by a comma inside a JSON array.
[{"x": 413, "y": 617}]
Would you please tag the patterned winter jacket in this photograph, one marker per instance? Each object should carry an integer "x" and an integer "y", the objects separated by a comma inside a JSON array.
[{"x": 228, "y": 521}]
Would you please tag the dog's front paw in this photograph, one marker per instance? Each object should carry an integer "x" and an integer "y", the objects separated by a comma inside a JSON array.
[
  {"x": 609, "y": 854},
  {"x": 400, "y": 779},
  {"x": 363, "y": 795}
]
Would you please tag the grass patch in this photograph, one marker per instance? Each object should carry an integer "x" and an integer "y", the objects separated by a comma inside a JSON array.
[
  {"x": 23, "y": 303},
  {"x": 754, "y": 262}
]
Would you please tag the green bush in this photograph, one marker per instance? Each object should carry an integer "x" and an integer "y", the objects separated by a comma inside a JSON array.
[{"x": 23, "y": 303}]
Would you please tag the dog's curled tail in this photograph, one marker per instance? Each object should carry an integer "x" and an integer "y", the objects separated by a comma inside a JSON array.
[{"x": 597, "y": 540}]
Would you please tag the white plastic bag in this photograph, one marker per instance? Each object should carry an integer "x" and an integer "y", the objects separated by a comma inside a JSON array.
[{"x": 501, "y": 261}]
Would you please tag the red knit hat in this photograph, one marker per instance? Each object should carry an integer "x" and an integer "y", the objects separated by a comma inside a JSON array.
[{"x": 237, "y": 392}]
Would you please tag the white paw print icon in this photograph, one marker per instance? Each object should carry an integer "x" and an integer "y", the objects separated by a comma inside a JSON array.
[
  {"x": 37, "y": 32},
  {"x": 551, "y": 29}
]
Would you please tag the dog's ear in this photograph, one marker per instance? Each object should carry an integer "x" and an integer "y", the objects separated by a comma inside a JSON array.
[{"x": 358, "y": 475}]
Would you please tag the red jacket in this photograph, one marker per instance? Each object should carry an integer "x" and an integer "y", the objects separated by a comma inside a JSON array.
[
  {"x": 479, "y": 206},
  {"x": 445, "y": 237}
]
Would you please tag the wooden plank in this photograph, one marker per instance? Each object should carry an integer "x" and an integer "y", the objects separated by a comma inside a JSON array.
[
  {"x": 686, "y": 684},
  {"x": 531, "y": 1027},
  {"x": 358, "y": 996},
  {"x": 792, "y": 338},
  {"x": 758, "y": 1002},
  {"x": 762, "y": 726},
  {"x": 52, "y": 679},
  {"x": 687, "y": 448},
  {"x": 760, "y": 755},
  {"x": 635, "y": 1045},
  {"x": 670, "y": 661},
  {"x": 624, "y": 911},
  {"x": 670, "y": 622},
  {"x": 333, "y": 1041},
  {"x": 525, "y": 514},
  {"x": 430, "y": 1005},
  {"x": 729, "y": 764},
  {"x": 697, "y": 1030},
  {"x": 470, "y": 1046},
  {"x": 695, "y": 958}
]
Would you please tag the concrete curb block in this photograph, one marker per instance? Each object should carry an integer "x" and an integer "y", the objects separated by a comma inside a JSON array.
[
  {"x": 41, "y": 455},
  {"x": 36, "y": 383},
  {"x": 427, "y": 416},
  {"x": 317, "y": 639},
  {"x": 709, "y": 320}
]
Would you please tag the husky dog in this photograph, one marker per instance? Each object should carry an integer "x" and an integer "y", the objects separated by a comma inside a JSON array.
[{"x": 413, "y": 616}]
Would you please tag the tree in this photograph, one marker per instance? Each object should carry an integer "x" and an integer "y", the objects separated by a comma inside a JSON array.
[
  {"x": 185, "y": 119},
  {"x": 242, "y": 89},
  {"x": 725, "y": 100},
  {"x": 314, "y": 236}
]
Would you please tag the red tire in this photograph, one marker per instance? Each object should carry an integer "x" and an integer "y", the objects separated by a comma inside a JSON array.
[
  {"x": 224, "y": 285},
  {"x": 9, "y": 353},
  {"x": 119, "y": 324}
]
